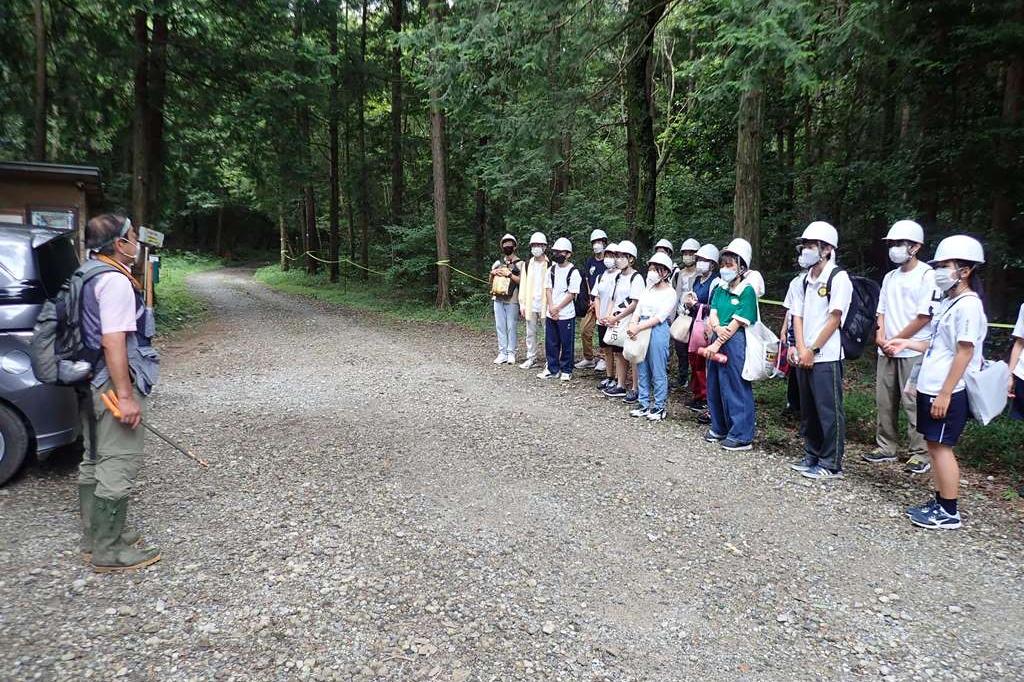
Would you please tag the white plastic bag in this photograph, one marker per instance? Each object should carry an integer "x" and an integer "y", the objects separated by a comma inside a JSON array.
[
  {"x": 986, "y": 390},
  {"x": 762, "y": 353}
]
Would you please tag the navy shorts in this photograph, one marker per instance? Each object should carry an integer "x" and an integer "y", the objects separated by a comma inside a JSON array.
[
  {"x": 1017, "y": 402},
  {"x": 601, "y": 329},
  {"x": 946, "y": 431}
]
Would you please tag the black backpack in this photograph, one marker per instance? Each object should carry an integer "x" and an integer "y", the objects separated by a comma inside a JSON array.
[
  {"x": 861, "y": 319},
  {"x": 581, "y": 301}
]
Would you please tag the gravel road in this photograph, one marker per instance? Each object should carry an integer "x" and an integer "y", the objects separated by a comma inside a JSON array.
[{"x": 384, "y": 503}]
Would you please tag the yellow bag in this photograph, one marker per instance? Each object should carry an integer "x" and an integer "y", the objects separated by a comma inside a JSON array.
[{"x": 500, "y": 285}]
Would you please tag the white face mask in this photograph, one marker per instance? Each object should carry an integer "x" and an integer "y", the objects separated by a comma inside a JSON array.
[
  {"x": 946, "y": 278},
  {"x": 653, "y": 278},
  {"x": 138, "y": 249},
  {"x": 598, "y": 248},
  {"x": 899, "y": 254},
  {"x": 727, "y": 274},
  {"x": 537, "y": 251},
  {"x": 688, "y": 260},
  {"x": 809, "y": 258},
  {"x": 703, "y": 267},
  {"x": 609, "y": 262},
  {"x": 621, "y": 262}
]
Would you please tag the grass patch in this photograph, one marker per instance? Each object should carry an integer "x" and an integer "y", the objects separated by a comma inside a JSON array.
[
  {"x": 175, "y": 305},
  {"x": 388, "y": 299},
  {"x": 996, "y": 447}
]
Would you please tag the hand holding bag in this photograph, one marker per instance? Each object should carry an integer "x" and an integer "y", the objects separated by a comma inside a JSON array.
[
  {"x": 697, "y": 338},
  {"x": 616, "y": 334}
]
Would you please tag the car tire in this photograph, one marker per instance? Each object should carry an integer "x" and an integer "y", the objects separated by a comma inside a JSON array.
[{"x": 13, "y": 443}]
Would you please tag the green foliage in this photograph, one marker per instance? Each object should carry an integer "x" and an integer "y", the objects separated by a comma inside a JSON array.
[{"x": 176, "y": 306}]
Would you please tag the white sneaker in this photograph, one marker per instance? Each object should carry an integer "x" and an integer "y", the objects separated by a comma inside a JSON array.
[
  {"x": 546, "y": 374},
  {"x": 527, "y": 364},
  {"x": 584, "y": 364},
  {"x": 500, "y": 360},
  {"x": 566, "y": 377},
  {"x": 600, "y": 366},
  {"x": 510, "y": 359}
]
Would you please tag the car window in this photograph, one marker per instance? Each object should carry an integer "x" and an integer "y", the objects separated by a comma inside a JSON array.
[
  {"x": 12, "y": 262},
  {"x": 57, "y": 261}
]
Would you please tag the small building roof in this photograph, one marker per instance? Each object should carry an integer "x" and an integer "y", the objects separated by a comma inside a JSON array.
[{"x": 88, "y": 176}]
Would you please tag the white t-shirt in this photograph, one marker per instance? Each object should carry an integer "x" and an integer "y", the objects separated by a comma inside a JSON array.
[
  {"x": 628, "y": 287},
  {"x": 657, "y": 302},
  {"x": 905, "y": 295},
  {"x": 794, "y": 290},
  {"x": 603, "y": 291},
  {"x": 1018, "y": 331},
  {"x": 814, "y": 305},
  {"x": 960, "y": 319},
  {"x": 564, "y": 283}
]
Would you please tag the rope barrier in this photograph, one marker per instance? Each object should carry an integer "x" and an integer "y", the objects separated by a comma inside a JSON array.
[{"x": 461, "y": 272}]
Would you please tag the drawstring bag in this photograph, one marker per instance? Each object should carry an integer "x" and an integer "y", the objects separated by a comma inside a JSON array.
[
  {"x": 697, "y": 338},
  {"x": 986, "y": 390}
]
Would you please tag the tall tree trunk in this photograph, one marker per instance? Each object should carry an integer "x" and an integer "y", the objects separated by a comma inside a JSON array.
[
  {"x": 283, "y": 235},
  {"x": 309, "y": 202},
  {"x": 560, "y": 143},
  {"x": 140, "y": 145},
  {"x": 644, "y": 17},
  {"x": 747, "y": 204},
  {"x": 479, "y": 225},
  {"x": 332, "y": 134},
  {"x": 39, "y": 141},
  {"x": 437, "y": 152},
  {"x": 157, "y": 77},
  {"x": 364, "y": 173},
  {"x": 397, "y": 168},
  {"x": 632, "y": 173},
  {"x": 219, "y": 243}
]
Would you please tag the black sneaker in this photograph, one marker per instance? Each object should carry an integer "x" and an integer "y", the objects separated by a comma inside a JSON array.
[
  {"x": 614, "y": 392},
  {"x": 704, "y": 418},
  {"x": 878, "y": 456},
  {"x": 805, "y": 464},
  {"x": 605, "y": 383},
  {"x": 697, "y": 406},
  {"x": 631, "y": 397},
  {"x": 735, "y": 445},
  {"x": 656, "y": 415},
  {"x": 639, "y": 412},
  {"x": 713, "y": 437}
]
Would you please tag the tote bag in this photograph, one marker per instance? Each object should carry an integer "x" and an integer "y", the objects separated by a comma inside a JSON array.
[
  {"x": 986, "y": 390},
  {"x": 616, "y": 334},
  {"x": 635, "y": 350},
  {"x": 762, "y": 353},
  {"x": 697, "y": 340},
  {"x": 680, "y": 329}
]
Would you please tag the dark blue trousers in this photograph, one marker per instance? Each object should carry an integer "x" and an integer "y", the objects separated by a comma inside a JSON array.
[{"x": 560, "y": 344}]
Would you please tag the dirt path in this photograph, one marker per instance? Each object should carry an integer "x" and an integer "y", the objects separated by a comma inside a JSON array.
[{"x": 384, "y": 503}]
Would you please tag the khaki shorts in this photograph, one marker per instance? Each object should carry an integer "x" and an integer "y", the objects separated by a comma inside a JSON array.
[{"x": 119, "y": 450}]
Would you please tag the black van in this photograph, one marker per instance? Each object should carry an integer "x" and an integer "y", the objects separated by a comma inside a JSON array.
[{"x": 34, "y": 418}]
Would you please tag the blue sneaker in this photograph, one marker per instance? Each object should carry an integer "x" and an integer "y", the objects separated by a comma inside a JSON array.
[
  {"x": 925, "y": 508},
  {"x": 936, "y": 518},
  {"x": 805, "y": 464},
  {"x": 614, "y": 392},
  {"x": 631, "y": 397},
  {"x": 820, "y": 473},
  {"x": 735, "y": 445}
]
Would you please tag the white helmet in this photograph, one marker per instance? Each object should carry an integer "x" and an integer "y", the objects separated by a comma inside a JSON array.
[
  {"x": 690, "y": 244},
  {"x": 627, "y": 248},
  {"x": 708, "y": 251},
  {"x": 611, "y": 248},
  {"x": 562, "y": 244},
  {"x": 959, "y": 247},
  {"x": 906, "y": 229},
  {"x": 661, "y": 259},
  {"x": 509, "y": 238},
  {"x": 742, "y": 248},
  {"x": 539, "y": 238},
  {"x": 664, "y": 244},
  {"x": 598, "y": 234},
  {"x": 820, "y": 231}
]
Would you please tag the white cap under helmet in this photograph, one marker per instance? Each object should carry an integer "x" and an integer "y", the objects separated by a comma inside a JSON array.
[
  {"x": 906, "y": 229},
  {"x": 539, "y": 238},
  {"x": 509, "y": 238},
  {"x": 959, "y": 247},
  {"x": 709, "y": 252},
  {"x": 598, "y": 234},
  {"x": 665, "y": 244},
  {"x": 562, "y": 244},
  {"x": 820, "y": 231},
  {"x": 742, "y": 248},
  {"x": 661, "y": 259},
  {"x": 627, "y": 248},
  {"x": 690, "y": 244}
]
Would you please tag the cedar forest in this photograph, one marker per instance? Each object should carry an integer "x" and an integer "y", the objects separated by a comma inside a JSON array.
[{"x": 394, "y": 134}]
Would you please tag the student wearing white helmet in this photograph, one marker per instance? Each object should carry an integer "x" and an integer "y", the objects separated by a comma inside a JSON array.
[
  {"x": 506, "y": 299},
  {"x": 561, "y": 286},
  {"x": 696, "y": 303},
  {"x": 629, "y": 285},
  {"x": 682, "y": 283},
  {"x": 744, "y": 250},
  {"x": 958, "y": 334},
  {"x": 730, "y": 396},
  {"x": 905, "y": 305},
  {"x": 665, "y": 246},
  {"x": 604, "y": 294},
  {"x": 593, "y": 269},
  {"x": 532, "y": 303},
  {"x": 656, "y": 305},
  {"x": 819, "y": 311}
]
